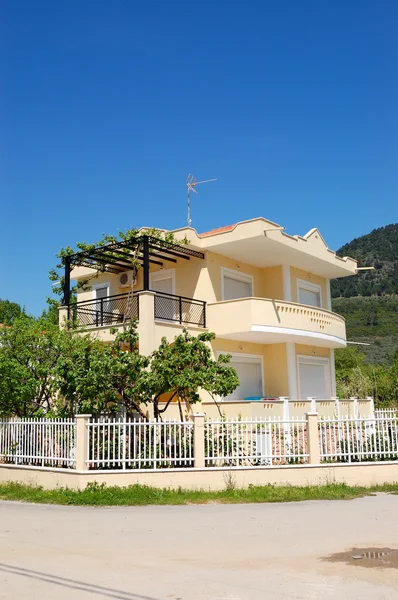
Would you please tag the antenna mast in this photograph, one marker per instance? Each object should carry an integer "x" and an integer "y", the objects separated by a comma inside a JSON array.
[{"x": 191, "y": 184}]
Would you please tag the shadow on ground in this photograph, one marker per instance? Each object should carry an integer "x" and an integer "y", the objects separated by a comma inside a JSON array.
[{"x": 73, "y": 584}]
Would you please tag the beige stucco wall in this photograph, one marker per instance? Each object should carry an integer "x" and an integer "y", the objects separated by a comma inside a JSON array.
[
  {"x": 231, "y": 409},
  {"x": 365, "y": 475},
  {"x": 200, "y": 279},
  {"x": 312, "y": 351},
  {"x": 271, "y": 283}
]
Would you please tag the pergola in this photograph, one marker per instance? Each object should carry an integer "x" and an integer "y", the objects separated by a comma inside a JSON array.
[{"x": 123, "y": 256}]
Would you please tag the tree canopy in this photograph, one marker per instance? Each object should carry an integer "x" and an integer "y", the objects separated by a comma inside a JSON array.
[
  {"x": 184, "y": 367},
  {"x": 48, "y": 371},
  {"x": 9, "y": 311}
]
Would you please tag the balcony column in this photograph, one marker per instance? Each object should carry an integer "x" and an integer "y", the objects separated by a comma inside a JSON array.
[
  {"x": 328, "y": 295},
  {"x": 332, "y": 373},
  {"x": 63, "y": 317},
  {"x": 146, "y": 322},
  {"x": 291, "y": 370}
]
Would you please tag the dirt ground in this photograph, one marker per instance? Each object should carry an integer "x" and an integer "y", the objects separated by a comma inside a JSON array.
[{"x": 211, "y": 552}]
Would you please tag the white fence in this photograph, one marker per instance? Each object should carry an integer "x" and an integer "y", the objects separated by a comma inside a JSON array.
[
  {"x": 41, "y": 442},
  {"x": 359, "y": 440},
  {"x": 127, "y": 444},
  {"x": 255, "y": 442},
  {"x": 389, "y": 413},
  {"x": 119, "y": 444}
]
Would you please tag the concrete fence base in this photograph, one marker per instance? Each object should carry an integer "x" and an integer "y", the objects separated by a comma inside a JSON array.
[{"x": 364, "y": 474}]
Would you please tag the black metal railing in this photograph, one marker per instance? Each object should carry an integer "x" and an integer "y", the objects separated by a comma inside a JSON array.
[
  {"x": 103, "y": 311},
  {"x": 179, "y": 309},
  {"x": 111, "y": 310}
]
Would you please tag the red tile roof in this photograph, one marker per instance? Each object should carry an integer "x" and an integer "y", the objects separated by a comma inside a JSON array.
[{"x": 218, "y": 230}]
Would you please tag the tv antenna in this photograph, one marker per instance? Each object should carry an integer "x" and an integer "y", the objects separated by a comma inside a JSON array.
[{"x": 191, "y": 184}]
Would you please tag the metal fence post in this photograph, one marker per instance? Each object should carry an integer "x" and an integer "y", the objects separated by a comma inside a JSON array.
[
  {"x": 314, "y": 453},
  {"x": 82, "y": 422},
  {"x": 199, "y": 440}
]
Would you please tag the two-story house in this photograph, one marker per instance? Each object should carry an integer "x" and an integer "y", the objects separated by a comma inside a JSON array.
[{"x": 265, "y": 294}]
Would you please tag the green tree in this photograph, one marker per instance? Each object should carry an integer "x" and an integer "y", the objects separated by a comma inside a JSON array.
[
  {"x": 48, "y": 371},
  {"x": 9, "y": 311},
  {"x": 120, "y": 371},
  {"x": 184, "y": 367},
  {"x": 28, "y": 357}
]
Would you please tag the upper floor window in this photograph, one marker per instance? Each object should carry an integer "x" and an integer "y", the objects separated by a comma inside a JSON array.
[
  {"x": 235, "y": 284},
  {"x": 100, "y": 290},
  {"x": 309, "y": 293}
]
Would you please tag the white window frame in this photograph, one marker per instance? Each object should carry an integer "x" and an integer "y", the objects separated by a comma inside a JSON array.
[
  {"x": 244, "y": 358},
  {"x": 310, "y": 287},
  {"x": 97, "y": 286},
  {"x": 164, "y": 274},
  {"x": 238, "y": 276},
  {"x": 315, "y": 360}
]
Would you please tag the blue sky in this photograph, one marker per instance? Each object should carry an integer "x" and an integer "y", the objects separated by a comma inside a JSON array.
[{"x": 105, "y": 107}]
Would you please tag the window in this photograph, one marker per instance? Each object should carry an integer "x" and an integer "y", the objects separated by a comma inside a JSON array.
[
  {"x": 250, "y": 372},
  {"x": 314, "y": 377},
  {"x": 163, "y": 281},
  {"x": 235, "y": 284},
  {"x": 308, "y": 293},
  {"x": 101, "y": 291}
]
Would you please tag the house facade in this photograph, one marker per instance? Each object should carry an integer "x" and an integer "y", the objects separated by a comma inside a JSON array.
[{"x": 264, "y": 293}]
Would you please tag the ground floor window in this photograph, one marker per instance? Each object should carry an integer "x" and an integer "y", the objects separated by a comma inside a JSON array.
[
  {"x": 314, "y": 377},
  {"x": 250, "y": 372}
]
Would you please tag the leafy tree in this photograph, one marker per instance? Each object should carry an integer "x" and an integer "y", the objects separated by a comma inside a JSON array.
[
  {"x": 48, "y": 371},
  {"x": 121, "y": 376},
  {"x": 53, "y": 372},
  {"x": 346, "y": 359},
  {"x": 9, "y": 311},
  {"x": 183, "y": 367},
  {"x": 356, "y": 378},
  {"x": 28, "y": 357}
]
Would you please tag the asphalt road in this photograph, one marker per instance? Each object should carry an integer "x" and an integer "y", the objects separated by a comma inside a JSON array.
[{"x": 212, "y": 552}]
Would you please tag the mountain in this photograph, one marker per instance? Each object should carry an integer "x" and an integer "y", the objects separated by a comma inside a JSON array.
[
  {"x": 378, "y": 249},
  {"x": 369, "y": 300}
]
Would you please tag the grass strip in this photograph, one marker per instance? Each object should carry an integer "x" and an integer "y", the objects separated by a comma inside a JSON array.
[{"x": 140, "y": 495}]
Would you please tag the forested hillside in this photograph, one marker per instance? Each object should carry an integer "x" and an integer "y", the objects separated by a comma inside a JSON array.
[
  {"x": 378, "y": 249},
  {"x": 369, "y": 300}
]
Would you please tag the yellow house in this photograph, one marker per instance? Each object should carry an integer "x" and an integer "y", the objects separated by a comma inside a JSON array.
[{"x": 264, "y": 293}]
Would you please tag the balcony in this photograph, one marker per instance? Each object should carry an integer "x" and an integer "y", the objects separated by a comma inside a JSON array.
[
  {"x": 266, "y": 321},
  {"x": 112, "y": 311}
]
